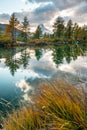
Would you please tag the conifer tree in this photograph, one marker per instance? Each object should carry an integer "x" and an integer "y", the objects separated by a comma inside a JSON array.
[
  {"x": 13, "y": 22},
  {"x": 38, "y": 32},
  {"x": 58, "y": 27},
  {"x": 69, "y": 29},
  {"x": 25, "y": 28}
]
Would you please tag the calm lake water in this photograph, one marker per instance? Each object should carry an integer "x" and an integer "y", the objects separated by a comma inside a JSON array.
[{"x": 22, "y": 70}]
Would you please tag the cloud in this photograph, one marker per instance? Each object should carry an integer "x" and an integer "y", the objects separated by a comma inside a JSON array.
[
  {"x": 80, "y": 13},
  {"x": 4, "y": 17},
  {"x": 75, "y": 10},
  {"x": 82, "y": 8},
  {"x": 44, "y": 8},
  {"x": 40, "y": 15},
  {"x": 45, "y": 12},
  {"x": 61, "y": 4}
]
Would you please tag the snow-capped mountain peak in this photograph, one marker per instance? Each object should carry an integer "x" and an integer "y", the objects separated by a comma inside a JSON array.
[{"x": 44, "y": 29}]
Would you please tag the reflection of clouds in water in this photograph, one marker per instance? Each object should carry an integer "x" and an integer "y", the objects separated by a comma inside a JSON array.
[
  {"x": 2, "y": 63},
  {"x": 24, "y": 86},
  {"x": 45, "y": 67},
  {"x": 48, "y": 58},
  {"x": 42, "y": 68},
  {"x": 17, "y": 55},
  {"x": 78, "y": 67},
  {"x": 27, "y": 97},
  {"x": 30, "y": 74},
  {"x": 32, "y": 53},
  {"x": 38, "y": 72},
  {"x": 45, "y": 62}
]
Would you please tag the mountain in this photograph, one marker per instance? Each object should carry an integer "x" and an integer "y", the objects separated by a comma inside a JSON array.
[
  {"x": 44, "y": 29},
  {"x": 2, "y": 27}
]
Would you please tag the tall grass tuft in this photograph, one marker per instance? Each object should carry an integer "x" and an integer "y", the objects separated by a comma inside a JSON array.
[{"x": 56, "y": 106}]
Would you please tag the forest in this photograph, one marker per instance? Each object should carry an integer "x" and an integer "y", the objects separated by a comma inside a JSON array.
[{"x": 17, "y": 32}]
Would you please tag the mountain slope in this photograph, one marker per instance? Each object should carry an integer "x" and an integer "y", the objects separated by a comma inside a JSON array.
[
  {"x": 44, "y": 29},
  {"x": 2, "y": 27}
]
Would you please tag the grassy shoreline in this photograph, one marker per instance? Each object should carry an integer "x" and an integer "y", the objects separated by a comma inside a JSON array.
[
  {"x": 43, "y": 41},
  {"x": 56, "y": 106}
]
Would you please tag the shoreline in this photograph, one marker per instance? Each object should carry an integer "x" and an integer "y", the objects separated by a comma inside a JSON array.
[{"x": 40, "y": 43}]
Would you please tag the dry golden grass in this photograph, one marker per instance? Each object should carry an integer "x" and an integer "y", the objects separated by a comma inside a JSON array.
[{"x": 57, "y": 106}]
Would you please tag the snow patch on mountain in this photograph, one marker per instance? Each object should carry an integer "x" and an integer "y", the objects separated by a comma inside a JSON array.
[{"x": 44, "y": 29}]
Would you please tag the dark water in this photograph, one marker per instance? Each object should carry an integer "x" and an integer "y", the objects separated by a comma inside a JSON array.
[{"x": 23, "y": 69}]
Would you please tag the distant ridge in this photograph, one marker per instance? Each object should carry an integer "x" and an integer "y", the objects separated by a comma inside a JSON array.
[{"x": 2, "y": 27}]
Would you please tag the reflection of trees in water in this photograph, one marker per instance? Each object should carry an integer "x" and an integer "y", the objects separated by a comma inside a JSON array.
[
  {"x": 25, "y": 56},
  {"x": 38, "y": 54},
  {"x": 13, "y": 62},
  {"x": 69, "y": 52},
  {"x": 57, "y": 55}
]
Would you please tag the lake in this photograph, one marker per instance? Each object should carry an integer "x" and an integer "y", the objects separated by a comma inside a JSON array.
[{"x": 24, "y": 69}]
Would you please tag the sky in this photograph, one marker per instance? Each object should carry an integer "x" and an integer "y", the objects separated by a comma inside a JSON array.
[{"x": 44, "y": 11}]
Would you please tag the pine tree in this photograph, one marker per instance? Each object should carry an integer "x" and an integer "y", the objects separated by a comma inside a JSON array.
[
  {"x": 84, "y": 32},
  {"x": 59, "y": 27},
  {"x": 38, "y": 32},
  {"x": 13, "y": 22},
  {"x": 25, "y": 28},
  {"x": 69, "y": 29},
  {"x": 75, "y": 31},
  {"x": 7, "y": 31}
]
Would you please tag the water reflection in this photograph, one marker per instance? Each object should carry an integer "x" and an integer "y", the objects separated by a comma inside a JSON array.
[
  {"x": 22, "y": 70},
  {"x": 11, "y": 61},
  {"x": 68, "y": 52},
  {"x": 14, "y": 59},
  {"x": 24, "y": 59}
]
